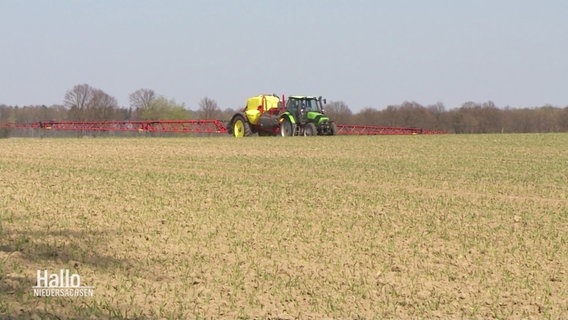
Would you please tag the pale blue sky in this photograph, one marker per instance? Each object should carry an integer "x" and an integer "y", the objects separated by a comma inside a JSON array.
[{"x": 363, "y": 52}]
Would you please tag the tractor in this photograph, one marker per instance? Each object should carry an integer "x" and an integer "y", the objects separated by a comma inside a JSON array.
[
  {"x": 305, "y": 116},
  {"x": 267, "y": 115}
]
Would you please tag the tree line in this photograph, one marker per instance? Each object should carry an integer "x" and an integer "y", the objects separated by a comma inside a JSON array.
[
  {"x": 471, "y": 117},
  {"x": 86, "y": 103}
]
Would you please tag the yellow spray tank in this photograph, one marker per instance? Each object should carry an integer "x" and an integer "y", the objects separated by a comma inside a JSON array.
[
  {"x": 260, "y": 115},
  {"x": 258, "y": 105}
]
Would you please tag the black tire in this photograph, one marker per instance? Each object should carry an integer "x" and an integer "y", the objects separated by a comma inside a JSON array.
[
  {"x": 240, "y": 127},
  {"x": 310, "y": 130},
  {"x": 333, "y": 129},
  {"x": 286, "y": 128}
]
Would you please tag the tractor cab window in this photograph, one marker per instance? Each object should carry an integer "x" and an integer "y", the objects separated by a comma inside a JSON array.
[
  {"x": 311, "y": 105},
  {"x": 292, "y": 106}
]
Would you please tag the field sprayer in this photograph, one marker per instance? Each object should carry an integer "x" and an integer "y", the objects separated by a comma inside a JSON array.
[{"x": 270, "y": 115}]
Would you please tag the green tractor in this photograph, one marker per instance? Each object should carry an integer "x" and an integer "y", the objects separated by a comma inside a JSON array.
[
  {"x": 268, "y": 116},
  {"x": 304, "y": 116}
]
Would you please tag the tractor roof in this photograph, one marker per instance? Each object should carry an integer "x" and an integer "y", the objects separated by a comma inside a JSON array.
[{"x": 302, "y": 97}]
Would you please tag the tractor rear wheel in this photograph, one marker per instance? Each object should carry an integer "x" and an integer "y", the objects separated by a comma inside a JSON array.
[
  {"x": 310, "y": 130},
  {"x": 241, "y": 127},
  {"x": 286, "y": 128}
]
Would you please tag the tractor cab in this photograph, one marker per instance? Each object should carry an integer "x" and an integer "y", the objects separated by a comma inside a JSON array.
[
  {"x": 305, "y": 105},
  {"x": 306, "y": 109}
]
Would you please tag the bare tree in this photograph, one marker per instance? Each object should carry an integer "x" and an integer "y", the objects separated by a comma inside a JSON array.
[
  {"x": 87, "y": 103},
  {"x": 77, "y": 99},
  {"x": 338, "y": 111},
  {"x": 367, "y": 116},
  {"x": 208, "y": 109},
  {"x": 102, "y": 106},
  {"x": 142, "y": 99},
  {"x": 438, "y": 111},
  {"x": 413, "y": 114}
]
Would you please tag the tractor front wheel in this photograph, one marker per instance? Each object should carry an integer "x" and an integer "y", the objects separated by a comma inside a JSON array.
[
  {"x": 310, "y": 130},
  {"x": 333, "y": 129},
  {"x": 241, "y": 127}
]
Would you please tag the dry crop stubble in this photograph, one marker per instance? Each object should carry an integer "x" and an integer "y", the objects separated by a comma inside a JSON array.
[{"x": 411, "y": 226}]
